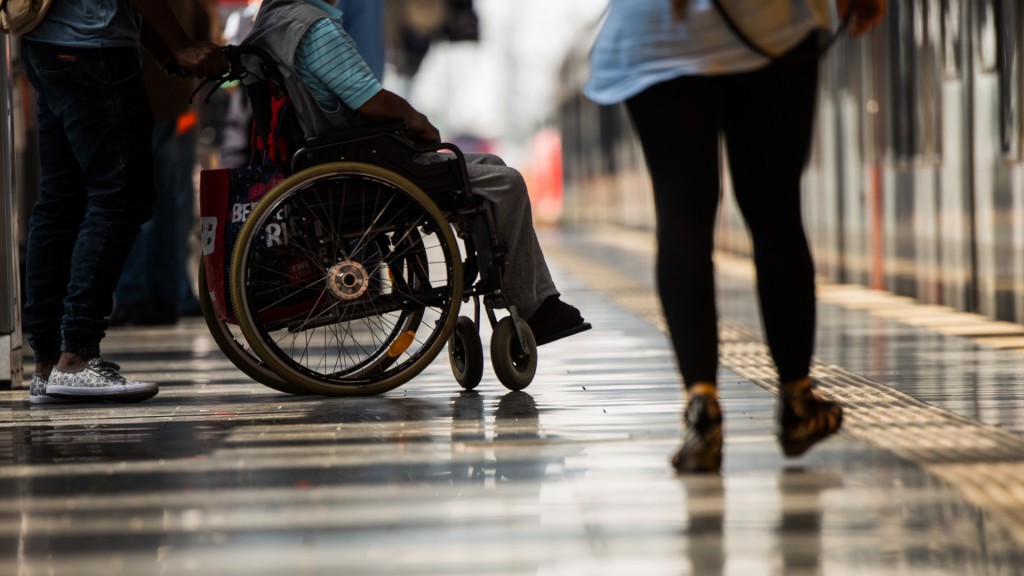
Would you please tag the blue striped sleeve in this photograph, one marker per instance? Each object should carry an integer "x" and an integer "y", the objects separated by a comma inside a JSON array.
[{"x": 331, "y": 67}]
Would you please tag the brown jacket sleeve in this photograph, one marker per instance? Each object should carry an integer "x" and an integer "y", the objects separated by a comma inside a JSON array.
[{"x": 168, "y": 95}]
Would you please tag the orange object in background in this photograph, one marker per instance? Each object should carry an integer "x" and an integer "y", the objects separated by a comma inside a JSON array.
[
  {"x": 186, "y": 121},
  {"x": 544, "y": 176}
]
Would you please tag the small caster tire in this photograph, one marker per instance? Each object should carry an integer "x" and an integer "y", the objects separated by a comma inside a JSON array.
[
  {"x": 466, "y": 353},
  {"x": 513, "y": 366}
]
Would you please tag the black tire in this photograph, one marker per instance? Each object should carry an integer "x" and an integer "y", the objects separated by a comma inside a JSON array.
[
  {"x": 231, "y": 342},
  {"x": 513, "y": 366},
  {"x": 347, "y": 279},
  {"x": 466, "y": 353}
]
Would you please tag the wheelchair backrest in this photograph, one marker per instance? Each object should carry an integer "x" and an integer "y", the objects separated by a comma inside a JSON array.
[
  {"x": 278, "y": 136},
  {"x": 276, "y": 130}
]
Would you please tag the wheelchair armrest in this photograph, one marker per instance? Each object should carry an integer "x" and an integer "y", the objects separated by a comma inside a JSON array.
[
  {"x": 352, "y": 134},
  {"x": 385, "y": 145}
]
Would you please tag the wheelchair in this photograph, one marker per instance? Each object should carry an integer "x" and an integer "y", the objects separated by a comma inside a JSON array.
[{"x": 348, "y": 277}]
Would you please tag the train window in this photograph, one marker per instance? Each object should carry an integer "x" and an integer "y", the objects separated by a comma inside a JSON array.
[
  {"x": 987, "y": 35},
  {"x": 1008, "y": 63},
  {"x": 952, "y": 37},
  {"x": 999, "y": 46},
  {"x": 916, "y": 72}
]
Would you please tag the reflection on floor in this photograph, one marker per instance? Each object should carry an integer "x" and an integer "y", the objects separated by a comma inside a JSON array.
[{"x": 220, "y": 475}]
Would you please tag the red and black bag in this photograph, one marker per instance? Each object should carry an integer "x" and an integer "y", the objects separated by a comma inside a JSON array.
[{"x": 227, "y": 195}]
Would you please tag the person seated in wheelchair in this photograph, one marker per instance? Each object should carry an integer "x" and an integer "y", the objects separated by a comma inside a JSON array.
[{"x": 324, "y": 74}]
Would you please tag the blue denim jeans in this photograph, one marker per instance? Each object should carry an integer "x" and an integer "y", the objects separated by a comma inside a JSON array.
[{"x": 95, "y": 190}]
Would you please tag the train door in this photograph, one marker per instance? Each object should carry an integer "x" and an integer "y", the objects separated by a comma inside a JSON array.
[
  {"x": 10, "y": 299},
  {"x": 998, "y": 198},
  {"x": 841, "y": 190},
  {"x": 955, "y": 224},
  {"x": 890, "y": 205}
]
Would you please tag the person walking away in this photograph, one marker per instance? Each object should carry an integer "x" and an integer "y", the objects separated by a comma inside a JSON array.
[{"x": 688, "y": 81}]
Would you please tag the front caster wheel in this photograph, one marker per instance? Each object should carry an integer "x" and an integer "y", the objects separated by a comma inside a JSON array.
[
  {"x": 513, "y": 366},
  {"x": 466, "y": 353}
]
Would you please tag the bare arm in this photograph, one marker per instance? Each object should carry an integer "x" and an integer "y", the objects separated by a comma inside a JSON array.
[
  {"x": 387, "y": 106},
  {"x": 866, "y": 14}
]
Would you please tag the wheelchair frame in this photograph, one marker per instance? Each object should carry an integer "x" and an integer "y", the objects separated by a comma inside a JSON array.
[{"x": 347, "y": 278}]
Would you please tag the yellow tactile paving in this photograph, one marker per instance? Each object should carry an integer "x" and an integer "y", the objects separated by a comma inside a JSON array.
[{"x": 952, "y": 447}]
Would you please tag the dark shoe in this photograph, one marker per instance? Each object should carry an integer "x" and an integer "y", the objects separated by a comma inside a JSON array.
[
  {"x": 702, "y": 440},
  {"x": 144, "y": 314},
  {"x": 805, "y": 419},
  {"x": 123, "y": 315},
  {"x": 158, "y": 314},
  {"x": 190, "y": 308},
  {"x": 555, "y": 320}
]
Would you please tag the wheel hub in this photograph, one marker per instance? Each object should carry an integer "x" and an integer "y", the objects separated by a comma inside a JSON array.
[{"x": 348, "y": 280}]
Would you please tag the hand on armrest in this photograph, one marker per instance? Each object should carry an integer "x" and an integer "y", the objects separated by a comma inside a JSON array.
[{"x": 387, "y": 106}]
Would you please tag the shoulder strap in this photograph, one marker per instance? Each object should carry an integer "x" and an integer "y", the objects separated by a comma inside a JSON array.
[{"x": 742, "y": 36}]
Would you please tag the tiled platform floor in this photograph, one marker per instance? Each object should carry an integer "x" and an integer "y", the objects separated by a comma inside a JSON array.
[{"x": 220, "y": 475}]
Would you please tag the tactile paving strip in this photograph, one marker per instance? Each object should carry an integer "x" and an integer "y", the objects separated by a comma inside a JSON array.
[{"x": 984, "y": 463}]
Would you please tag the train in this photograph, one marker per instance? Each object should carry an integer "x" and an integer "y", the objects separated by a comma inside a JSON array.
[{"x": 915, "y": 182}]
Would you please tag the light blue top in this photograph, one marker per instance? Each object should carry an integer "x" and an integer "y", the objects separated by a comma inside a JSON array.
[
  {"x": 89, "y": 24},
  {"x": 639, "y": 43},
  {"x": 331, "y": 67}
]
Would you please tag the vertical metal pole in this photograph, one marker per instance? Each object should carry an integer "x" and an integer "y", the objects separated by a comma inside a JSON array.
[
  {"x": 10, "y": 286},
  {"x": 969, "y": 31}
]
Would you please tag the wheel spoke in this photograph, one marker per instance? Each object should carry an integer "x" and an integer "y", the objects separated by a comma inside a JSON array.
[{"x": 351, "y": 281}]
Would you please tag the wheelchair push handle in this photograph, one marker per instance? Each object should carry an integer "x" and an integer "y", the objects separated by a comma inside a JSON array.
[{"x": 238, "y": 70}]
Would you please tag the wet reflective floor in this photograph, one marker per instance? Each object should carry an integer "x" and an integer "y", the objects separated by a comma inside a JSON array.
[{"x": 220, "y": 475}]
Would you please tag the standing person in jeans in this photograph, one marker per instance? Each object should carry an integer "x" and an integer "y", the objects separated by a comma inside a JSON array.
[
  {"x": 689, "y": 81},
  {"x": 96, "y": 188}
]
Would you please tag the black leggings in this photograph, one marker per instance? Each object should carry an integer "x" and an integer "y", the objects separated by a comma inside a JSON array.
[{"x": 766, "y": 117}]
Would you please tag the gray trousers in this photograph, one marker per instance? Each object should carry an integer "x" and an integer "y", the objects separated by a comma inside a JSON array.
[{"x": 527, "y": 281}]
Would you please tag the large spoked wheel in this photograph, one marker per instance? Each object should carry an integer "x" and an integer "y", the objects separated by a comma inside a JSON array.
[
  {"x": 514, "y": 366},
  {"x": 231, "y": 342},
  {"x": 466, "y": 353},
  {"x": 347, "y": 279}
]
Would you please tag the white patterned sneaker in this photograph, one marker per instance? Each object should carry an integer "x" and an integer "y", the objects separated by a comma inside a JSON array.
[
  {"x": 37, "y": 392},
  {"x": 98, "y": 380}
]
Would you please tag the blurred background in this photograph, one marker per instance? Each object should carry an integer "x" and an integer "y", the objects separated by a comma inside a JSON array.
[
  {"x": 915, "y": 184},
  {"x": 498, "y": 91}
]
